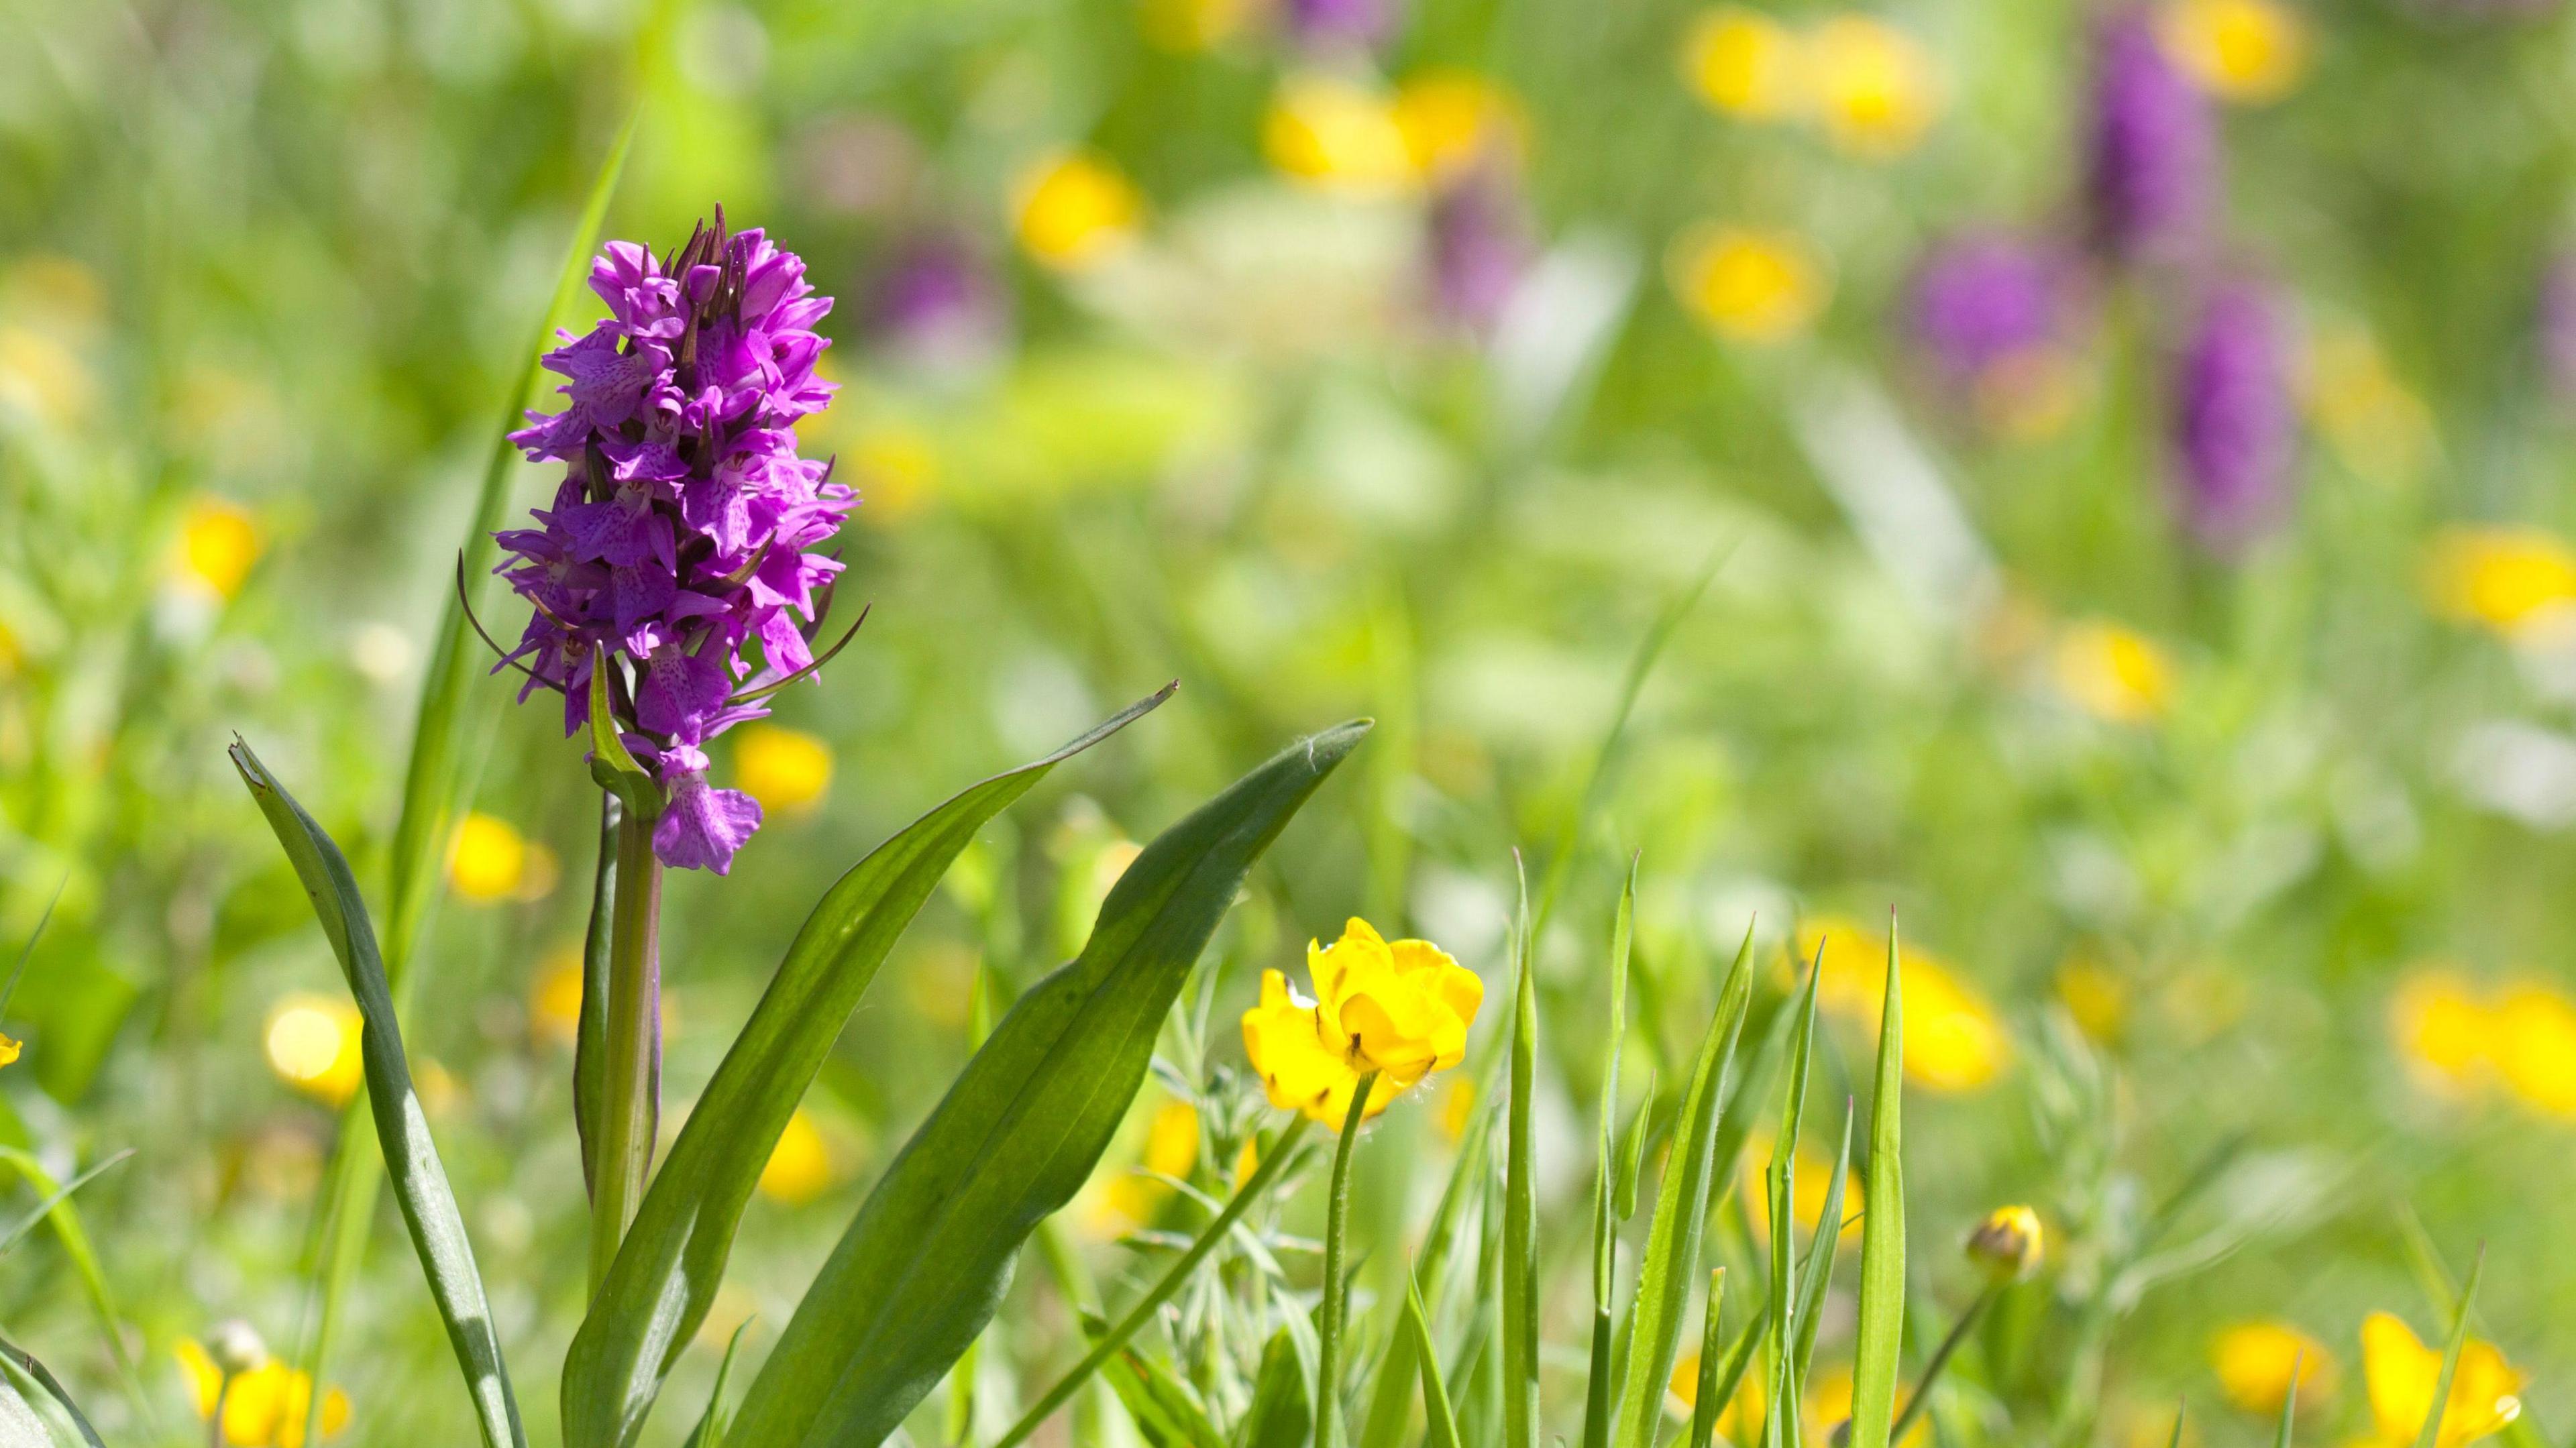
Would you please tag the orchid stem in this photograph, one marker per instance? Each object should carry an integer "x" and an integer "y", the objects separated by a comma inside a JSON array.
[
  {"x": 630, "y": 1104},
  {"x": 1337, "y": 1216}
]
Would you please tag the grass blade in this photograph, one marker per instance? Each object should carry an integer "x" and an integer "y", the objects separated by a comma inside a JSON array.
[
  {"x": 1819, "y": 1274},
  {"x": 1882, "y": 1242},
  {"x": 1520, "y": 1212},
  {"x": 1781, "y": 1181},
  {"x": 712, "y": 1423},
  {"x": 57, "y": 1198},
  {"x": 73, "y": 1234},
  {"x": 420, "y": 1182},
  {"x": 1426, "y": 1353},
  {"x": 2431, "y": 1434},
  {"x": 1281, "y": 1415},
  {"x": 25, "y": 1362},
  {"x": 1609, "y": 1175},
  {"x": 921, "y": 1269},
  {"x": 672, "y": 1261},
  {"x": 1705, "y": 1403},
  {"x": 1671, "y": 1264},
  {"x": 1166, "y": 1412},
  {"x": 435, "y": 782},
  {"x": 2289, "y": 1399},
  {"x": 590, "y": 1030}
]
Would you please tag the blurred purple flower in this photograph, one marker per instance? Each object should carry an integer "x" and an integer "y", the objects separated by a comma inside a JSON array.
[
  {"x": 1341, "y": 24},
  {"x": 938, "y": 300},
  {"x": 680, "y": 538},
  {"x": 2235, "y": 422},
  {"x": 1983, "y": 298},
  {"x": 2153, "y": 157},
  {"x": 1478, "y": 246}
]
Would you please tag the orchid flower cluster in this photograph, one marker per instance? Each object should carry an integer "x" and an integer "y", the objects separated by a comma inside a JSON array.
[{"x": 680, "y": 546}]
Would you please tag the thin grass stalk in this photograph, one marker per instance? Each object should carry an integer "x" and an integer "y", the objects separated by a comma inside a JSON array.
[
  {"x": 1337, "y": 1217},
  {"x": 1273, "y": 1161},
  {"x": 1941, "y": 1356},
  {"x": 1705, "y": 1402}
]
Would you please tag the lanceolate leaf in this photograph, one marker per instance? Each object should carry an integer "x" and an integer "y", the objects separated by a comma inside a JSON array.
[
  {"x": 1282, "y": 1415},
  {"x": 411, "y": 1158},
  {"x": 1435, "y": 1392},
  {"x": 25, "y": 1362},
  {"x": 1882, "y": 1237},
  {"x": 1671, "y": 1265},
  {"x": 673, "y": 1258},
  {"x": 1520, "y": 1215},
  {"x": 921, "y": 1269}
]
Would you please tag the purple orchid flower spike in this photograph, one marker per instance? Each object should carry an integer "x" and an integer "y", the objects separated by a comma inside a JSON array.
[
  {"x": 2152, "y": 148},
  {"x": 2235, "y": 421},
  {"x": 681, "y": 541}
]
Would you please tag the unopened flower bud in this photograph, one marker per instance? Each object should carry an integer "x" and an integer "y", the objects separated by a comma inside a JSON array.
[
  {"x": 2008, "y": 1243},
  {"x": 235, "y": 1348}
]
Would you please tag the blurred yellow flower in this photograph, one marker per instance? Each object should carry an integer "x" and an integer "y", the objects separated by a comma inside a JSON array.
[
  {"x": 2534, "y": 1028},
  {"x": 1749, "y": 286},
  {"x": 1745, "y": 63},
  {"x": 2402, "y": 1374},
  {"x": 488, "y": 860},
  {"x": 1400, "y": 1009},
  {"x": 1457, "y": 1107},
  {"x": 1336, "y": 135},
  {"x": 10, "y": 1047},
  {"x": 896, "y": 469},
  {"x": 2442, "y": 1030},
  {"x": 2113, "y": 673},
  {"x": 313, "y": 1044},
  {"x": 1076, "y": 209},
  {"x": 1828, "y": 1407},
  {"x": 787, "y": 770},
  {"x": 2251, "y": 51},
  {"x": 1877, "y": 90},
  {"x": 554, "y": 1001},
  {"x": 2506, "y": 578},
  {"x": 218, "y": 542},
  {"x": 2095, "y": 995},
  {"x": 43, "y": 378},
  {"x": 2376, "y": 427},
  {"x": 2253, "y": 1361},
  {"x": 1806, "y": 1193},
  {"x": 1187, "y": 25},
  {"x": 1129, "y": 1199},
  {"x": 1450, "y": 119},
  {"x": 800, "y": 1166},
  {"x": 2009, "y": 1243},
  {"x": 265, "y": 1406},
  {"x": 1953, "y": 1040}
]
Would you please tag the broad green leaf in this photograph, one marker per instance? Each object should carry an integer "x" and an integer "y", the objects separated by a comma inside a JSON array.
[
  {"x": 1671, "y": 1265},
  {"x": 673, "y": 1257},
  {"x": 411, "y": 1159},
  {"x": 1882, "y": 1237},
  {"x": 1426, "y": 1353},
  {"x": 2431, "y": 1434},
  {"x": 1282, "y": 1415},
  {"x": 590, "y": 1031},
  {"x": 922, "y": 1267},
  {"x": 25, "y": 1362},
  {"x": 438, "y": 776},
  {"x": 1520, "y": 1214}
]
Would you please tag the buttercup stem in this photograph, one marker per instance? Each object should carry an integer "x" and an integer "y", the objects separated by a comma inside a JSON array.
[
  {"x": 1272, "y": 1163},
  {"x": 628, "y": 1105},
  {"x": 1940, "y": 1359},
  {"x": 1337, "y": 1214}
]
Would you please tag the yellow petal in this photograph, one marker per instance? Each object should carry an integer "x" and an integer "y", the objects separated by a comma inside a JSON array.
[{"x": 2253, "y": 1361}]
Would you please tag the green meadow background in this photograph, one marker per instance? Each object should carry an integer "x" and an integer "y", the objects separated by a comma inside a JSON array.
[{"x": 2240, "y": 882}]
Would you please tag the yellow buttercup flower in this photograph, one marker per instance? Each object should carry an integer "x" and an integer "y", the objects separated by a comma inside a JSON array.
[
  {"x": 488, "y": 860},
  {"x": 2254, "y": 1361},
  {"x": 264, "y": 1406},
  {"x": 2115, "y": 674},
  {"x": 1953, "y": 1040},
  {"x": 1075, "y": 210},
  {"x": 10, "y": 1047},
  {"x": 1877, "y": 90},
  {"x": 1450, "y": 119},
  {"x": 2535, "y": 1050},
  {"x": 800, "y": 1166},
  {"x": 2442, "y": 1030},
  {"x": 1337, "y": 136},
  {"x": 787, "y": 770},
  {"x": 1745, "y": 63},
  {"x": 2251, "y": 51},
  {"x": 897, "y": 471},
  {"x": 218, "y": 542},
  {"x": 1401, "y": 1010},
  {"x": 1749, "y": 286},
  {"x": 2505, "y": 578},
  {"x": 314, "y": 1045},
  {"x": 2402, "y": 1374}
]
